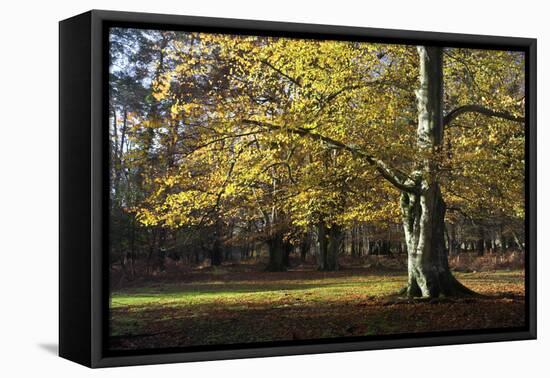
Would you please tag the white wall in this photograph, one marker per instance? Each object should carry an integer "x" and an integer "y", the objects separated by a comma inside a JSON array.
[{"x": 28, "y": 188}]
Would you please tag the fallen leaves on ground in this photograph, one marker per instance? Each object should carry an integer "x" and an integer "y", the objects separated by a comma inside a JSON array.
[{"x": 249, "y": 307}]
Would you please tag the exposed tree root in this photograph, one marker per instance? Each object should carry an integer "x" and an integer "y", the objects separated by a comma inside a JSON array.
[
  {"x": 456, "y": 289},
  {"x": 452, "y": 289}
]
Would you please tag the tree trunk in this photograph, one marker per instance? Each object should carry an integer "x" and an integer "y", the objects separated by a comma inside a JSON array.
[
  {"x": 353, "y": 237},
  {"x": 276, "y": 254},
  {"x": 480, "y": 244},
  {"x": 330, "y": 242},
  {"x": 334, "y": 245},
  {"x": 423, "y": 208},
  {"x": 287, "y": 249},
  {"x": 304, "y": 247},
  {"x": 152, "y": 246},
  {"x": 428, "y": 267},
  {"x": 216, "y": 250},
  {"x": 133, "y": 247},
  {"x": 499, "y": 242},
  {"x": 518, "y": 242},
  {"x": 323, "y": 246},
  {"x": 216, "y": 253}
]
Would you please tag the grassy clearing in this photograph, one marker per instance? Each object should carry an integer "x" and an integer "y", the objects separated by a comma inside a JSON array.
[
  {"x": 300, "y": 305},
  {"x": 313, "y": 290}
]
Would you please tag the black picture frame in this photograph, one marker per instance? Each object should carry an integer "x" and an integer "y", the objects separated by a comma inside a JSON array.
[{"x": 83, "y": 194}]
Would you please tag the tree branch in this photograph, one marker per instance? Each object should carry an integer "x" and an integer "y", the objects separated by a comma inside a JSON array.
[
  {"x": 216, "y": 140},
  {"x": 394, "y": 176},
  {"x": 280, "y": 72},
  {"x": 453, "y": 114},
  {"x": 379, "y": 82}
]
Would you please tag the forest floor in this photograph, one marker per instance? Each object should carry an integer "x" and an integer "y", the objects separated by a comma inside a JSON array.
[{"x": 228, "y": 305}]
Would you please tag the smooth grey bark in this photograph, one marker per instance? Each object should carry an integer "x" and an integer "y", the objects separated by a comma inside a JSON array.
[{"x": 423, "y": 208}]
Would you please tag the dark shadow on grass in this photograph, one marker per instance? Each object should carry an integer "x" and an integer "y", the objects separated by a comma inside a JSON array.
[
  {"x": 254, "y": 277},
  {"x": 248, "y": 286}
]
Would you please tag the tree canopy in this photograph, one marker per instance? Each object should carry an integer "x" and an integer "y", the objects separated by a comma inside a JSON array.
[{"x": 275, "y": 137}]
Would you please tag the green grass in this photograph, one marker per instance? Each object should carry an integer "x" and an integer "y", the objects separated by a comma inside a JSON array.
[
  {"x": 313, "y": 290},
  {"x": 261, "y": 307},
  {"x": 310, "y": 290}
]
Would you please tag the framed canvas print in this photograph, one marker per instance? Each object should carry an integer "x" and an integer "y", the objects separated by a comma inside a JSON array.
[{"x": 234, "y": 188}]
